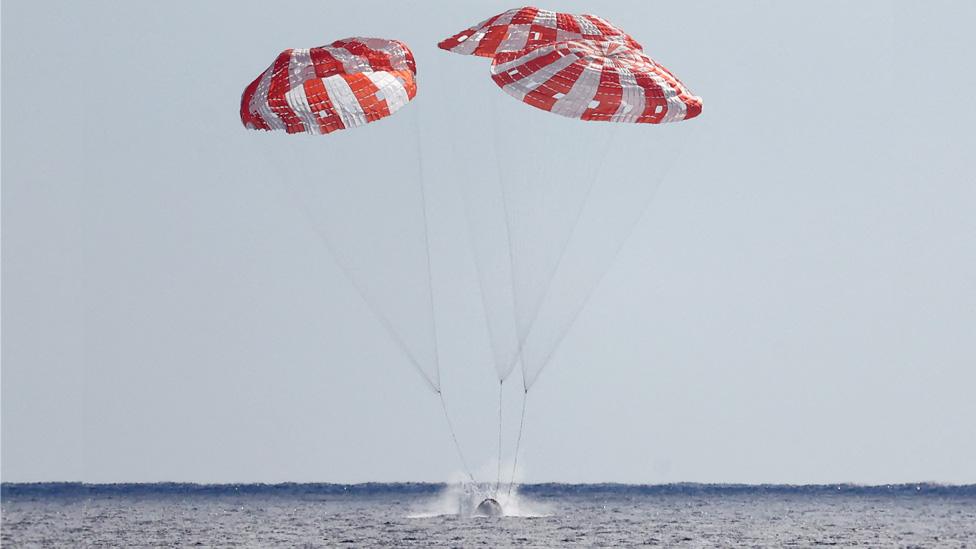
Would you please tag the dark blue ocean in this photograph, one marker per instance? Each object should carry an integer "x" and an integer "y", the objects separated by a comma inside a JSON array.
[{"x": 438, "y": 515}]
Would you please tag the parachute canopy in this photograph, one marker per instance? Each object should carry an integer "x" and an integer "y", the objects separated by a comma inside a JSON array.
[
  {"x": 351, "y": 82},
  {"x": 594, "y": 80},
  {"x": 527, "y": 27}
]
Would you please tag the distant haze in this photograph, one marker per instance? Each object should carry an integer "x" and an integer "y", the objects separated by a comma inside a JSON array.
[{"x": 797, "y": 305}]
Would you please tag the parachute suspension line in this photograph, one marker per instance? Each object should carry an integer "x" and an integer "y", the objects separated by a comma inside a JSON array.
[
  {"x": 430, "y": 272},
  {"x": 292, "y": 196},
  {"x": 540, "y": 174},
  {"x": 613, "y": 259},
  {"x": 481, "y": 275},
  {"x": 430, "y": 286},
  {"x": 457, "y": 445},
  {"x": 518, "y": 441},
  {"x": 567, "y": 240},
  {"x": 508, "y": 226},
  {"x": 498, "y": 479}
]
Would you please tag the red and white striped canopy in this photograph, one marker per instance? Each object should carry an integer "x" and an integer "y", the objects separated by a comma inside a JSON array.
[
  {"x": 522, "y": 28},
  {"x": 348, "y": 83},
  {"x": 591, "y": 80}
]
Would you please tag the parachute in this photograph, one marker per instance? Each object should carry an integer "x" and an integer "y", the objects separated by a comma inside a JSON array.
[
  {"x": 371, "y": 216},
  {"x": 348, "y": 83},
  {"x": 528, "y": 27},
  {"x": 592, "y": 80}
]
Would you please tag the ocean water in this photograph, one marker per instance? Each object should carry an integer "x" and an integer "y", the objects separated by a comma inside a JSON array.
[{"x": 435, "y": 515}]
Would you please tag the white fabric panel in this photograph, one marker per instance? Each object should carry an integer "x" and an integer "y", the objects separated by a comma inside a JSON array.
[
  {"x": 390, "y": 88},
  {"x": 632, "y": 102},
  {"x": 575, "y": 103},
  {"x": 345, "y": 102}
]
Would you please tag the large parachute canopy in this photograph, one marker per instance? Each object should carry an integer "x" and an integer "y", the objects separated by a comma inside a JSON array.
[
  {"x": 522, "y": 28},
  {"x": 592, "y": 80},
  {"x": 350, "y": 82}
]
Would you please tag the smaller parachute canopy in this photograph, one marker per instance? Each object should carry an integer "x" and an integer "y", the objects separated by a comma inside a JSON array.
[
  {"x": 523, "y": 28},
  {"x": 350, "y": 82},
  {"x": 595, "y": 80}
]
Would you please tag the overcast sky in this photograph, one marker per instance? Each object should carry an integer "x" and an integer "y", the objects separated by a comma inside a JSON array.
[{"x": 797, "y": 305}]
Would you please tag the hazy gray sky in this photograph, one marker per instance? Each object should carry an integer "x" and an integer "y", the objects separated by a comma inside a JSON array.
[{"x": 797, "y": 305}]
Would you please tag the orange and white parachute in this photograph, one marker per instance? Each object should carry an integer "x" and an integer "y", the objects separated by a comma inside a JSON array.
[
  {"x": 592, "y": 80},
  {"x": 350, "y": 82},
  {"x": 527, "y": 27}
]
